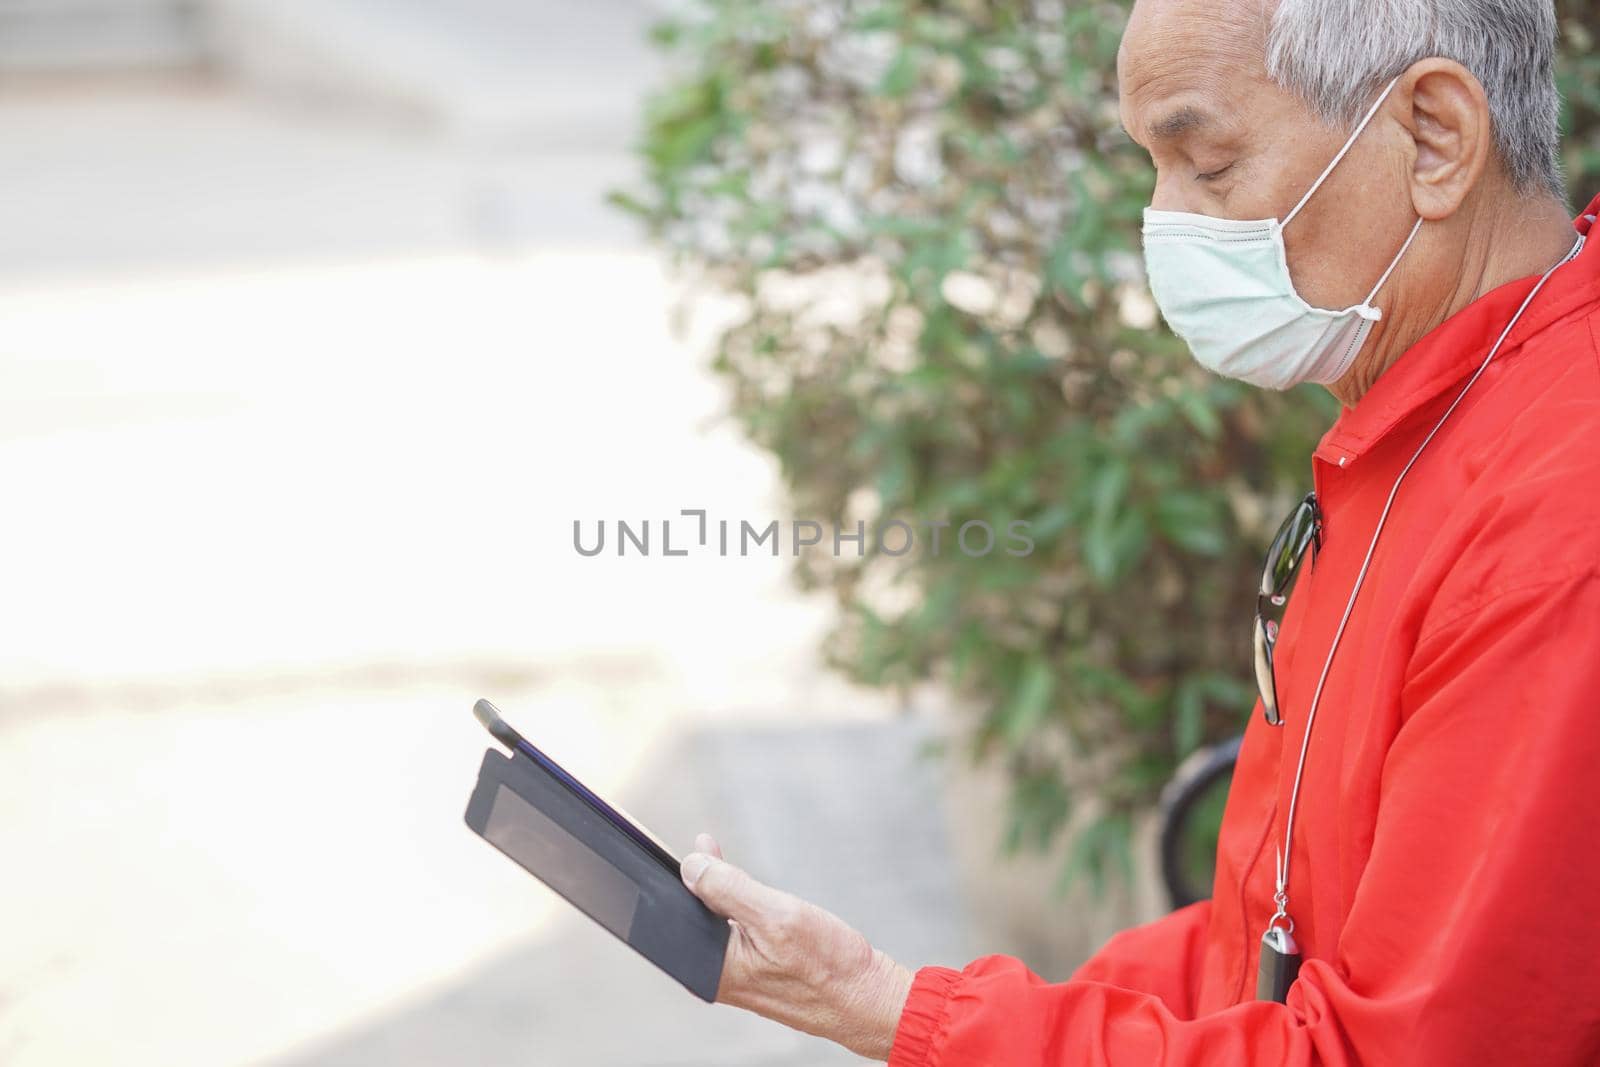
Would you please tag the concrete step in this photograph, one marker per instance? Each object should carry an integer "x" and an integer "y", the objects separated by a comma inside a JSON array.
[
  {"x": 502, "y": 67},
  {"x": 56, "y": 36}
]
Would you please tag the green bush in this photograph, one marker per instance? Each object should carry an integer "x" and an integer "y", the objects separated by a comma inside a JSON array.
[
  {"x": 929, "y": 215},
  {"x": 1580, "y": 86}
]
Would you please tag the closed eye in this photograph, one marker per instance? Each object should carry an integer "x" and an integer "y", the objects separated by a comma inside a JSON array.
[{"x": 1213, "y": 175}]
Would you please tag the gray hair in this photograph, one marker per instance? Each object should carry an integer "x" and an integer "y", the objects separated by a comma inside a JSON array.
[{"x": 1337, "y": 55}]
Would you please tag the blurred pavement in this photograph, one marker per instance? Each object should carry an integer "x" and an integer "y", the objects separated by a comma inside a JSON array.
[{"x": 298, "y": 403}]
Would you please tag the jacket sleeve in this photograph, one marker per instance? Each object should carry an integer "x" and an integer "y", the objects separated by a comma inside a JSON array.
[
  {"x": 1470, "y": 938},
  {"x": 1161, "y": 958}
]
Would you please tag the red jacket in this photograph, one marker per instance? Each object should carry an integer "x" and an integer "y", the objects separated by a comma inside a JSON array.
[{"x": 1446, "y": 870}]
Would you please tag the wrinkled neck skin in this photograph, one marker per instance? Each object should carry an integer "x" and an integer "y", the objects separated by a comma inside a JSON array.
[{"x": 1496, "y": 237}]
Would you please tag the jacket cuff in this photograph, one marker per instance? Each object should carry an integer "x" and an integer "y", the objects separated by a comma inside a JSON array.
[{"x": 924, "y": 1018}]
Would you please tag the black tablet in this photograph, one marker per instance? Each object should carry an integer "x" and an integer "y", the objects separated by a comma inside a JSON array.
[{"x": 603, "y": 863}]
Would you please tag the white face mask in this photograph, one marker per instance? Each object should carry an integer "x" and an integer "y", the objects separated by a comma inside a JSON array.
[{"x": 1224, "y": 287}]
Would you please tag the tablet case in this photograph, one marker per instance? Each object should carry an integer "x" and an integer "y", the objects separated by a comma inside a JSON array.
[{"x": 558, "y": 838}]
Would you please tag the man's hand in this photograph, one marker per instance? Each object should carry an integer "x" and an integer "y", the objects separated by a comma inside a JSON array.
[{"x": 797, "y": 964}]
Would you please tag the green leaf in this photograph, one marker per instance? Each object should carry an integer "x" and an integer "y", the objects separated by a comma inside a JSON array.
[
  {"x": 1111, "y": 548},
  {"x": 1194, "y": 520},
  {"x": 624, "y": 201},
  {"x": 880, "y": 17},
  {"x": 1040, "y": 804},
  {"x": 1104, "y": 843},
  {"x": 666, "y": 33},
  {"x": 901, "y": 77},
  {"x": 1200, "y": 414},
  {"x": 1030, "y": 703},
  {"x": 1188, "y": 717}
]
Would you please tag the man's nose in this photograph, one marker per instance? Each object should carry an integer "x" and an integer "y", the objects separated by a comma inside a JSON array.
[{"x": 1171, "y": 194}]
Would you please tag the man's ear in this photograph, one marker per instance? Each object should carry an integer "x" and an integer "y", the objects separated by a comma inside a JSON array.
[{"x": 1452, "y": 132}]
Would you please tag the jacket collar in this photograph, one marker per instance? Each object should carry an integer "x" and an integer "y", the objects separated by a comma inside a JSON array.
[{"x": 1456, "y": 347}]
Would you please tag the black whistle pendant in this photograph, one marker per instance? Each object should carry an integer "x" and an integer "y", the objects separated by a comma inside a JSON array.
[{"x": 1280, "y": 962}]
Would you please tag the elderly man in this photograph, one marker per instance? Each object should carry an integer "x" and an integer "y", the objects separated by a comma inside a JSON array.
[{"x": 1404, "y": 873}]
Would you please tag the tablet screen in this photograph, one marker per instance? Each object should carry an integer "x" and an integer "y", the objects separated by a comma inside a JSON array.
[{"x": 530, "y": 837}]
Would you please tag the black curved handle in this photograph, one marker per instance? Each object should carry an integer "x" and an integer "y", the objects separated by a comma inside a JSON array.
[{"x": 1194, "y": 778}]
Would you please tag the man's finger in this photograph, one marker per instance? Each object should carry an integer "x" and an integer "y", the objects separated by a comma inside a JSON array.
[
  {"x": 728, "y": 890},
  {"x": 707, "y": 844}
]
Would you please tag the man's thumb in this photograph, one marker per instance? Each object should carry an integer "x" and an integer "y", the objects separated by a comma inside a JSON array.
[
  {"x": 725, "y": 889},
  {"x": 694, "y": 865}
]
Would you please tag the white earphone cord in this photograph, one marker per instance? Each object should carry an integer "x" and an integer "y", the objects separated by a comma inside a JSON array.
[
  {"x": 1349, "y": 144},
  {"x": 1395, "y": 262},
  {"x": 1281, "y": 896}
]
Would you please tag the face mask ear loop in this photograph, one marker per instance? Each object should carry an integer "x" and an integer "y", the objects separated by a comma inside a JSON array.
[
  {"x": 1362, "y": 125},
  {"x": 1394, "y": 263}
]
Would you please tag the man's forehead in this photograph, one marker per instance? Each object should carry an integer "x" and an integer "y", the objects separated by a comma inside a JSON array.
[{"x": 1181, "y": 61}]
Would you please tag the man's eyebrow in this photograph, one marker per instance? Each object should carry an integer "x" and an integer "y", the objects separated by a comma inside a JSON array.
[{"x": 1178, "y": 123}]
